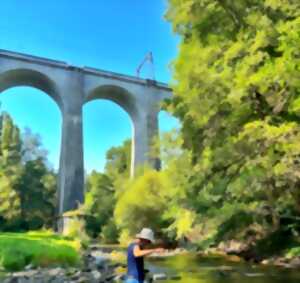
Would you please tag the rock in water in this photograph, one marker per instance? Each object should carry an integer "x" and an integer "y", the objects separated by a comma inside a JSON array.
[
  {"x": 96, "y": 274},
  {"x": 254, "y": 274},
  {"x": 101, "y": 261},
  {"x": 159, "y": 276}
]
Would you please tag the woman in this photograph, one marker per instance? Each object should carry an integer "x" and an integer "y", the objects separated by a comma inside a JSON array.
[{"x": 135, "y": 255}]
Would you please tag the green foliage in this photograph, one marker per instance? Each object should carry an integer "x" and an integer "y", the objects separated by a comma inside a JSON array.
[
  {"x": 13, "y": 263},
  {"x": 10, "y": 169},
  {"x": 102, "y": 190},
  {"x": 236, "y": 92},
  {"x": 99, "y": 202},
  {"x": 155, "y": 199},
  {"x": 76, "y": 227},
  {"x": 27, "y": 185},
  {"x": 110, "y": 233},
  {"x": 40, "y": 249},
  {"x": 277, "y": 242},
  {"x": 158, "y": 199},
  {"x": 293, "y": 252},
  {"x": 37, "y": 190},
  {"x": 233, "y": 170},
  {"x": 142, "y": 203},
  {"x": 118, "y": 160}
]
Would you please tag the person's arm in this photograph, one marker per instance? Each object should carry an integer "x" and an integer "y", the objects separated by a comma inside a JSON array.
[{"x": 138, "y": 252}]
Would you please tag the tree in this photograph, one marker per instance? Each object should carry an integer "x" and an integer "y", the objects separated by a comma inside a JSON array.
[
  {"x": 37, "y": 191},
  {"x": 32, "y": 146},
  {"x": 236, "y": 92},
  {"x": 118, "y": 160},
  {"x": 10, "y": 169},
  {"x": 27, "y": 186},
  {"x": 117, "y": 167},
  {"x": 142, "y": 203},
  {"x": 99, "y": 202}
]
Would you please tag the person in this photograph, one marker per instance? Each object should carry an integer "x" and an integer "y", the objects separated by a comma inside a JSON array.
[{"x": 135, "y": 255}]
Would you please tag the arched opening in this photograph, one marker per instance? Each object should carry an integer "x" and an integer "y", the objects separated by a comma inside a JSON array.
[
  {"x": 107, "y": 133},
  {"x": 34, "y": 101},
  {"x": 33, "y": 110},
  {"x": 117, "y": 94},
  {"x": 126, "y": 102},
  {"x": 105, "y": 125},
  {"x": 35, "y": 147},
  {"x": 30, "y": 78}
]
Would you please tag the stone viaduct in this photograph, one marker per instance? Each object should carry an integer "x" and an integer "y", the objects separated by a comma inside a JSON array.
[{"x": 71, "y": 87}]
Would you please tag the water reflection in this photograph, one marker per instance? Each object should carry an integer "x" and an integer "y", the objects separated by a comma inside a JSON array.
[{"x": 197, "y": 269}]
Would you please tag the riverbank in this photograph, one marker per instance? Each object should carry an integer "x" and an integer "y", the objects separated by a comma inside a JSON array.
[
  {"x": 108, "y": 264},
  {"x": 99, "y": 264},
  {"x": 94, "y": 268},
  {"x": 238, "y": 251}
]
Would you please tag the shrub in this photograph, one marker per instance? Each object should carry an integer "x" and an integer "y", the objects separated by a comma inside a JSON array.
[
  {"x": 142, "y": 204},
  {"x": 110, "y": 233},
  {"x": 76, "y": 229},
  {"x": 37, "y": 248},
  {"x": 293, "y": 252},
  {"x": 12, "y": 260}
]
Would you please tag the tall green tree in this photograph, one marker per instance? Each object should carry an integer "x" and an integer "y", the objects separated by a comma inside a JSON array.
[
  {"x": 99, "y": 202},
  {"x": 237, "y": 94},
  {"x": 117, "y": 167},
  {"x": 37, "y": 191},
  {"x": 32, "y": 147},
  {"x": 118, "y": 160},
  {"x": 10, "y": 169},
  {"x": 27, "y": 185}
]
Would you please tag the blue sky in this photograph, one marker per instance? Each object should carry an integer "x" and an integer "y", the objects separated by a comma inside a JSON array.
[{"x": 112, "y": 35}]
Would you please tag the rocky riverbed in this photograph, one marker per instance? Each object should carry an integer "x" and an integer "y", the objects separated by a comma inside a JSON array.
[
  {"x": 93, "y": 272},
  {"x": 99, "y": 266},
  {"x": 94, "y": 268}
]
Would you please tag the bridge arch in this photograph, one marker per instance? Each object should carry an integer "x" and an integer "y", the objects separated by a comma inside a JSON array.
[
  {"x": 117, "y": 94},
  {"x": 31, "y": 78},
  {"x": 27, "y": 77},
  {"x": 127, "y": 102}
]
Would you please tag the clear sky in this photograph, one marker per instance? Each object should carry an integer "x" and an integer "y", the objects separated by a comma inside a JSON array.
[{"x": 112, "y": 35}]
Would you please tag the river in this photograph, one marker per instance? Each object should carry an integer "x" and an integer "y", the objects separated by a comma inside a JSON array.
[{"x": 193, "y": 268}]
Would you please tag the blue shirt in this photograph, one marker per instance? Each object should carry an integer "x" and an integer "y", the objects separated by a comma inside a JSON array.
[{"x": 135, "y": 265}]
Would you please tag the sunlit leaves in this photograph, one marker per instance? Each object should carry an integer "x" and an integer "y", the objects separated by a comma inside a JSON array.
[
  {"x": 142, "y": 203},
  {"x": 237, "y": 95}
]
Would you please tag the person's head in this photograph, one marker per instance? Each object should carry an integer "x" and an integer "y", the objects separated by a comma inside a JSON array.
[{"x": 145, "y": 237}]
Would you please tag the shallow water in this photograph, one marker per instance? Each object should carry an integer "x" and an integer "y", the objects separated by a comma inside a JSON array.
[{"x": 198, "y": 269}]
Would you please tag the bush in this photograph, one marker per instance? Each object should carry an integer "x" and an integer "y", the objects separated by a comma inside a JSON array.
[
  {"x": 142, "y": 204},
  {"x": 76, "y": 229},
  {"x": 12, "y": 260},
  {"x": 293, "y": 252},
  {"x": 92, "y": 226},
  {"x": 39, "y": 249},
  {"x": 110, "y": 233},
  {"x": 125, "y": 237}
]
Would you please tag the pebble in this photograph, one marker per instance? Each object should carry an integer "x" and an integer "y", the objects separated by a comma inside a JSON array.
[{"x": 159, "y": 276}]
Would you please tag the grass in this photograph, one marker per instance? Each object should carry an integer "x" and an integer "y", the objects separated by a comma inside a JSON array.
[
  {"x": 293, "y": 252},
  {"x": 38, "y": 249}
]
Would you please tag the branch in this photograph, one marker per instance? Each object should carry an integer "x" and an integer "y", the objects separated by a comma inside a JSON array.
[{"x": 232, "y": 13}]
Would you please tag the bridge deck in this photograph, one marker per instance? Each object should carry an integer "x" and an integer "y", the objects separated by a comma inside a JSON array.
[{"x": 84, "y": 69}]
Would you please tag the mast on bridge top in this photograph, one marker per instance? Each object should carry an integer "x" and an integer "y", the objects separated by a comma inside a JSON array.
[{"x": 148, "y": 58}]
